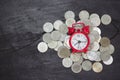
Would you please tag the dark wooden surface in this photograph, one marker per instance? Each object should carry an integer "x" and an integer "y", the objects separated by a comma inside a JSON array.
[{"x": 21, "y": 30}]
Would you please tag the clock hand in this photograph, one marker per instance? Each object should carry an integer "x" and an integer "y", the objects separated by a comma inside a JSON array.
[{"x": 75, "y": 43}]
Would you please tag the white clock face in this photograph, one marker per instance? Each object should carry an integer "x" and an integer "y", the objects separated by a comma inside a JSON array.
[{"x": 79, "y": 41}]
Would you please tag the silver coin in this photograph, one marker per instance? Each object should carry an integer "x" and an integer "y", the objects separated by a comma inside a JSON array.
[
  {"x": 55, "y": 35},
  {"x": 105, "y": 41},
  {"x": 69, "y": 22},
  {"x": 69, "y": 14},
  {"x": 97, "y": 29},
  {"x": 47, "y": 38},
  {"x": 63, "y": 37},
  {"x": 63, "y": 28},
  {"x": 111, "y": 49},
  {"x": 87, "y": 65},
  {"x": 106, "y": 19},
  {"x": 75, "y": 57},
  {"x": 63, "y": 52},
  {"x": 66, "y": 42},
  {"x": 97, "y": 67},
  {"x": 48, "y": 27},
  {"x": 52, "y": 44},
  {"x": 98, "y": 56},
  {"x": 92, "y": 38},
  {"x": 99, "y": 39},
  {"x": 80, "y": 60},
  {"x": 57, "y": 24},
  {"x": 42, "y": 47},
  {"x": 87, "y": 22},
  {"x": 91, "y": 55},
  {"x": 105, "y": 56},
  {"x": 95, "y": 34},
  {"x": 67, "y": 62},
  {"x": 83, "y": 15},
  {"x": 94, "y": 15},
  {"x": 76, "y": 68},
  {"x": 95, "y": 46},
  {"x": 59, "y": 44},
  {"x": 84, "y": 55},
  {"x": 108, "y": 62},
  {"x": 95, "y": 21}
]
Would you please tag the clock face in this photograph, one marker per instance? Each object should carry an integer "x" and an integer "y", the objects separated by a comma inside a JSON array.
[{"x": 79, "y": 41}]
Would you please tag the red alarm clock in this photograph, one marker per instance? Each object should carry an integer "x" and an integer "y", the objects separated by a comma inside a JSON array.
[{"x": 79, "y": 40}]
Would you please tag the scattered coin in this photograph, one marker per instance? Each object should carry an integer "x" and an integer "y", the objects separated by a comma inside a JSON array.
[
  {"x": 98, "y": 56},
  {"x": 67, "y": 62},
  {"x": 52, "y": 44},
  {"x": 91, "y": 55},
  {"x": 95, "y": 21},
  {"x": 47, "y": 38},
  {"x": 59, "y": 44},
  {"x": 95, "y": 34},
  {"x": 95, "y": 46},
  {"x": 48, "y": 27},
  {"x": 83, "y": 15},
  {"x": 105, "y": 56},
  {"x": 55, "y": 35},
  {"x": 57, "y": 23},
  {"x": 69, "y": 14},
  {"x": 76, "y": 68},
  {"x": 108, "y": 62},
  {"x": 106, "y": 19},
  {"x": 97, "y": 67},
  {"x": 63, "y": 52},
  {"x": 97, "y": 29},
  {"x": 69, "y": 22},
  {"x": 86, "y": 65},
  {"x": 63, "y": 37},
  {"x": 80, "y": 60},
  {"x": 75, "y": 57},
  {"x": 92, "y": 38},
  {"x": 105, "y": 41},
  {"x": 84, "y": 55},
  {"x": 42, "y": 47},
  {"x": 66, "y": 43},
  {"x": 94, "y": 15},
  {"x": 111, "y": 49},
  {"x": 63, "y": 28}
]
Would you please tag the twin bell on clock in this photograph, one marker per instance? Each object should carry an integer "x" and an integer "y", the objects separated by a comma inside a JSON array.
[{"x": 79, "y": 40}]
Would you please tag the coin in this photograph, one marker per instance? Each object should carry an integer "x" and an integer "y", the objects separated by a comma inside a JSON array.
[
  {"x": 106, "y": 19},
  {"x": 86, "y": 65},
  {"x": 84, "y": 55},
  {"x": 87, "y": 22},
  {"x": 52, "y": 44},
  {"x": 80, "y": 60},
  {"x": 95, "y": 21},
  {"x": 63, "y": 52},
  {"x": 47, "y": 38},
  {"x": 48, "y": 27},
  {"x": 104, "y": 41},
  {"x": 66, "y": 42},
  {"x": 94, "y": 15},
  {"x": 59, "y": 44},
  {"x": 69, "y": 14},
  {"x": 97, "y": 29},
  {"x": 111, "y": 49},
  {"x": 95, "y": 46},
  {"x": 108, "y": 62},
  {"x": 76, "y": 68},
  {"x": 105, "y": 56},
  {"x": 75, "y": 57},
  {"x": 42, "y": 47},
  {"x": 67, "y": 62},
  {"x": 83, "y": 15},
  {"x": 63, "y": 28},
  {"x": 55, "y": 35},
  {"x": 98, "y": 39},
  {"x": 95, "y": 34},
  {"x": 97, "y": 67},
  {"x": 57, "y": 23},
  {"x": 92, "y": 38},
  {"x": 69, "y": 22},
  {"x": 63, "y": 37},
  {"x": 98, "y": 56},
  {"x": 91, "y": 55}
]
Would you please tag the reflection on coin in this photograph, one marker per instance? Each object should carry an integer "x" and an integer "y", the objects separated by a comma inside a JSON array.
[
  {"x": 98, "y": 39},
  {"x": 69, "y": 14},
  {"x": 92, "y": 38},
  {"x": 91, "y": 55},
  {"x": 95, "y": 21},
  {"x": 57, "y": 23},
  {"x": 86, "y": 65},
  {"x": 105, "y": 56},
  {"x": 55, "y": 35},
  {"x": 63, "y": 28},
  {"x": 75, "y": 57},
  {"x": 63, "y": 52},
  {"x": 97, "y": 67},
  {"x": 47, "y": 38},
  {"x": 69, "y": 22},
  {"x": 76, "y": 68},
  {"x": 94, "y": 15},
  {"x": 97, "y": 29},
  {"x": 95, "y": 46},
  {"x": 48, "y": 27},
  {"x": 106, "y": 19},
  {"x": 42, "y": 47},
  {"x": 80, "y": 60},
  {"x": 108, "y": 62},
  {"x": 104, "y": 41},
  {"x": 67, "y": 62},
  {"x": 83, "y": 15},
  {"x": 59, "y": 44},
  {"x": 52, "y": 44}
]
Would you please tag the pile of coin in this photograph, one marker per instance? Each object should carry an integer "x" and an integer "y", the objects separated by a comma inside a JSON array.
[{"x": 100, "y": 48}]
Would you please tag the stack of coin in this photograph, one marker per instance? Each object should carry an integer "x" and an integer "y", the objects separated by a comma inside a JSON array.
[{"x": 100, "y": 48}]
